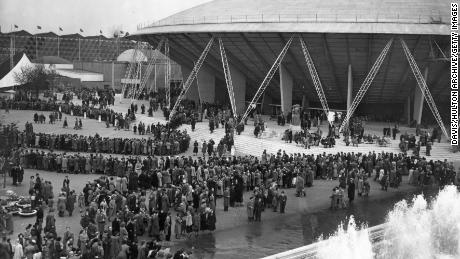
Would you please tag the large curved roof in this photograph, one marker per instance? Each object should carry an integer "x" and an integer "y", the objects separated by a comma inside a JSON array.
[
  {"x": 338, "y": 33},
  {"x": 347, "y": 16}
]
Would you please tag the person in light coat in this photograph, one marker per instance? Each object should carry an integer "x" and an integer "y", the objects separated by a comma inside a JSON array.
[
  {"x": 18, "y": 251},
  {"x": 250, "y": 209}
]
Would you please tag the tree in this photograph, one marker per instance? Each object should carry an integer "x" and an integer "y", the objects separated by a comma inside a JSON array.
[{"x": 35, "y": 78}]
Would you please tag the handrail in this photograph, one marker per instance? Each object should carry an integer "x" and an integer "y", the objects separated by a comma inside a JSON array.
[
  {"x": 309, "y": 251},
  {"x": 316, "y": 17}
]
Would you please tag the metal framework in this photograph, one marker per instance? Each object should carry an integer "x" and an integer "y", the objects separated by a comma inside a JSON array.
[
  {"x": 130, "y": 71},
  {"x": 192, "y": 76},
  {"x": 423, "y": 87},
  {"x": 148, "y": 71},
  {"x": 367, "y": 82},
  {"x": 228, "y": 76},
  {"x": 266, "y": 80},
  {"x": 315, "y": 77},
  {"x": 167, "y": 75}
]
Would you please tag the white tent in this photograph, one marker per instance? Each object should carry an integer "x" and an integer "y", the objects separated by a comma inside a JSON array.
[{"x": 9, "y": 79}]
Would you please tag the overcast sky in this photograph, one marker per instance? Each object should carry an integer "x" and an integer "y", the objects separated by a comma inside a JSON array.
[{"x": 89, "y": 15}]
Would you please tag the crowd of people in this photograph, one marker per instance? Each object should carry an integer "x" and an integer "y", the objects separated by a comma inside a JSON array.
[
  {"x": 57, "y": 108},
  {"x": 164, "y": 141},
  {"x": 139, "y": 201},
  {"x": 160, "y": 198}
]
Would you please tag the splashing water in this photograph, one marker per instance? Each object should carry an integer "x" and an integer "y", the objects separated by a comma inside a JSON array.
[
  {"x": 353, "y": 243},
  {"x": 413, "y": 230}
]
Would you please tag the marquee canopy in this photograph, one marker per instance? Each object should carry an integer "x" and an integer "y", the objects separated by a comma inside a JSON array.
[{"x": 9, "y": 79}]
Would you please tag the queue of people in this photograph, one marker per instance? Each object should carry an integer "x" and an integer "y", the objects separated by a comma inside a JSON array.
[
  {"x": 164, "y": 141},
  {"x": 57, "y": 108}
]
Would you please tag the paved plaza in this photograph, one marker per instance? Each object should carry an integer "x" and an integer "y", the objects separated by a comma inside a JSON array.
[{"x": 317, "y": 197}]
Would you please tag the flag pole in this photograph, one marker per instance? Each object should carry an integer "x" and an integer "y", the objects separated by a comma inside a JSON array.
[
  {"x": 36, "y": 47},
  {"x": 58, "y": 44},
  {"x": 99, "y": 46},
  {"x": 79, "y": 57},
  {"x": 11, "y": 50}
]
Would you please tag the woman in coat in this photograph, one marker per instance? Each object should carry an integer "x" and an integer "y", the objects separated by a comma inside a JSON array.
[
  {"x": 167, "y": 226},
  {"x": 155, "y": 230},
  {"x": 204, "y": 148},
  {"x": 70, "y": 202},
  {"x": 61, "y": 205},
  {"x": 177, "y": 226},
  {"x": 196, "y": 222},
  {"x": 18, "y": 251},
  {"x": 250, "y": 209}
]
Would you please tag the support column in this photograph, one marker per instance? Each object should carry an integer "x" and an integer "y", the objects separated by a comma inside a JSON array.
[
  {"x": 239, "y": 89},
  {"x": 419, "y": 99},
  {"x": 192, "y": 93},
  {"x": 286, "y": 83},
  {"x": 350, "y": 87},
  {"x": 407, "y": 109},
  {"x": 266, "y": 107},
  {"x": 206, "y": 85},
  {"x": 305, "y": 102},
  {"x": 113, "y": 76}
]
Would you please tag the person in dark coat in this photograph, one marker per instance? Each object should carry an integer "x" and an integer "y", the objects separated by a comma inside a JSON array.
[
  {"x": 20, "y": 174},
  {"x": 226, "y": 198},
  {"x": 283, "y": 201},
  {"x": 211, "y": 125},
  {"x": 203, "y": 222},
  {"x": 195, "y": 148},
  {"x": 133, "y": 181},
  {"x": 211, "y": 220},
  {"x": 394, "y": 132},
  {"x": 258, "y": 208},
  {"x": 14, "y": 174},
  {"x": 193, "y": 122},
  {"x": 351, "y": 190},
  {"x": 257, "y": 131}
]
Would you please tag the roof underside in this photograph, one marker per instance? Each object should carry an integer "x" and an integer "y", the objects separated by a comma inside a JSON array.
[{"x": 254, "y": 53}]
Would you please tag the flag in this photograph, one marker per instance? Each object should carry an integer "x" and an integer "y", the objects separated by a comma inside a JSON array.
[
  {"x": 81, "y": 30},
  {"x": 60, "y": 28},
  {"x": 39, "y": 27},
  {"x": 100, "y": 31},
  {"x": 15, "y": 26}
]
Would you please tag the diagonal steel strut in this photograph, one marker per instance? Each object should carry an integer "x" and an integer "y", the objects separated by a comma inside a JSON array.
[
  {"x": 192, "y": 76},
  {"x": 367, "y": 82},
  {"x": 228, "y": 76},
  {"x": 315, "y": 77},
  {"x": 423, "y": 87},
  {"x": 267, "y": 80}
]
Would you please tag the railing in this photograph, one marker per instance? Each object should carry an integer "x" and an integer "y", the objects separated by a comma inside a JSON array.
[
  {"x": 433, "y": 18},
  {"x": 310, "y": 251}
]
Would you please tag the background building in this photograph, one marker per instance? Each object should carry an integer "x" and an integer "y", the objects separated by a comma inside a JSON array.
[{"x": 96, "y": 61}]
